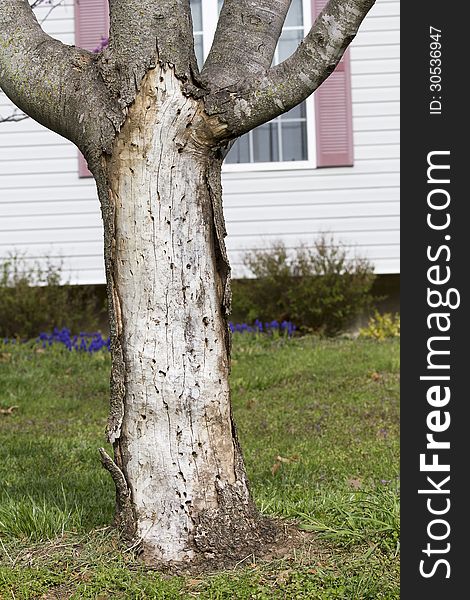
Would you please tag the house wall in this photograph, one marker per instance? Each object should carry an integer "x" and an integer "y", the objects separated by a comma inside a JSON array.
[{"x": 47, "y": 211}]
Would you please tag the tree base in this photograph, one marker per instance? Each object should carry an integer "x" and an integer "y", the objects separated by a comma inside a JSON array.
[
  {"x": 223, "y": 535},
  {"x": 265, "y": 538}
]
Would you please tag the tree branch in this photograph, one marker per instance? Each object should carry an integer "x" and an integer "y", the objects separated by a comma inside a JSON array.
[
  {"x": 245, "y": 40},
  {"x": 14, "y": 117},
  {"x": 288, "y": 84},
  {"x": 55, "y": 84},
  {"x": 52, "y": 6}
]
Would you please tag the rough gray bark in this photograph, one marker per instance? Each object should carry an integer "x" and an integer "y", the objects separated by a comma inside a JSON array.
[
  {"x": 245, "y": 40},
  {"x": 154, "y": 132},
  {"x": 16, "y": 115}
]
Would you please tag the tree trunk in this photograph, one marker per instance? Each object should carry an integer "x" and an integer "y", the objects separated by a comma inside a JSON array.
[
  {"x": 152, "y": 129},
  {"x": 178, "y": 468}
]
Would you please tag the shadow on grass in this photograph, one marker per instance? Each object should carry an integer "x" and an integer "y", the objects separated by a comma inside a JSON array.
[{"x": 51, "y": 485}]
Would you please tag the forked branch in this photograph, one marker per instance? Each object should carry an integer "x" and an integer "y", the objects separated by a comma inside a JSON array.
[{"x": 286, "y": 85}]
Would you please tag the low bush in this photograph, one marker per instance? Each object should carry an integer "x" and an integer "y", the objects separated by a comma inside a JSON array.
[
  {"x": 33, "y": 298},
  {"x": 319, "y": 288},
  {"x": 382, "y": 326}
]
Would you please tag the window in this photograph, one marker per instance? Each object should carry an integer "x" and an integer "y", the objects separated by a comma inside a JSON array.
[
  {"x": 287, "y": 138},
  {"x": 196, "y": 10}
]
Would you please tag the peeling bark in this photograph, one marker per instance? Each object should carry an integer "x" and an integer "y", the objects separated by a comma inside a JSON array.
[{"x": 142, "y": 34}]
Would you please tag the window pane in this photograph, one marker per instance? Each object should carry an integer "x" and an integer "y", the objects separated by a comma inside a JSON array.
[
  {"x": 198, "y": 49},
  {"x": 265, "y": 143},
  {"x": 196, "y": 11},
  {"x": 294, "y": 141},
  {"x": 298, "y": 112},
  {"x": 295, "y": 16},
  {"x": 288, "y": 43},
  {"x": 240, "y": 151}
]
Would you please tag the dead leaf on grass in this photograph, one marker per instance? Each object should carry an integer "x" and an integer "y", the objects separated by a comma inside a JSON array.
[
  {"x": 283, "y": 577},
  {"x": 355, "y": 483},
  {"x": 382, "y": 433},
  {"x": 293, "y": 458},
  {"x": 5, "y": 357},
  {"x": 8, "y": 411},
  {"x": 283, "y": 460}
]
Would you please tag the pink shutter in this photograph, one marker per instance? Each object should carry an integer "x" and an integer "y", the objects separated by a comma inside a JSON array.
[
  {"x": 91, "y": 26},
  {"x": 333, "y": 112}
]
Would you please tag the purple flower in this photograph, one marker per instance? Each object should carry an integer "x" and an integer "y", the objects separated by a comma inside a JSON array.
[
  {"x": 102, "y": 45},
  {"x": 285, "y": 327}
]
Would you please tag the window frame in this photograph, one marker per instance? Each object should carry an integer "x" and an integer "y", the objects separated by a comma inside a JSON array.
[{"x": 209, "y": 24}]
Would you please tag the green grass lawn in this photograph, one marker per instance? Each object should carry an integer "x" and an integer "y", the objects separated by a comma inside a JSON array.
[{"x": 318, "y": 422}]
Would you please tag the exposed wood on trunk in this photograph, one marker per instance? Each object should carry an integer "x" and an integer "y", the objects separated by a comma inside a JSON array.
[{"x": 177, "y": 448}]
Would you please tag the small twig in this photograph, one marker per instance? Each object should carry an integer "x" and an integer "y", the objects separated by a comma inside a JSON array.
[
  {"x": 51, "y": 9},
  {"x": 116, "y": 474},
  {"x": 6, "y": 552},
  {"x": 134, "y": 545},
  {"x": 244, "y": 559},
  {"x": 15, "y": 117}
]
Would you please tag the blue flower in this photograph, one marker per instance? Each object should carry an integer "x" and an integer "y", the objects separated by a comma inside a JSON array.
[
  {"x": 94, "y": 342},
  {"x": 258, "y": 327}
]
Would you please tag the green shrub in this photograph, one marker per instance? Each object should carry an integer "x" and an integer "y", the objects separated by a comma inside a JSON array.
[
  {"x": 318, "y": 288},
  {"x": 32, "y": 299},
  {"x": 381, "y": 327}
]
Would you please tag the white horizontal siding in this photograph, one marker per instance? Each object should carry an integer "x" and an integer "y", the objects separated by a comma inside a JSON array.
[
  {"x": 378, "y": 152},
  {"x": 367, "y": 39},
  {"x": 47, "y": 211},
  {"x": 374, "y": 94},
  {"x": 377, "y": 138},
  {"x": 378, "y": 22},
  {"x": 376, "y": 109},
  {"x": 383, "y": 51}
]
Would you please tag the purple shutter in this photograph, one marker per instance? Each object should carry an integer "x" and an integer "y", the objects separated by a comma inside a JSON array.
[
  {"x": 91, "y": 26},
  {"x": 333, "y": 112}
]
